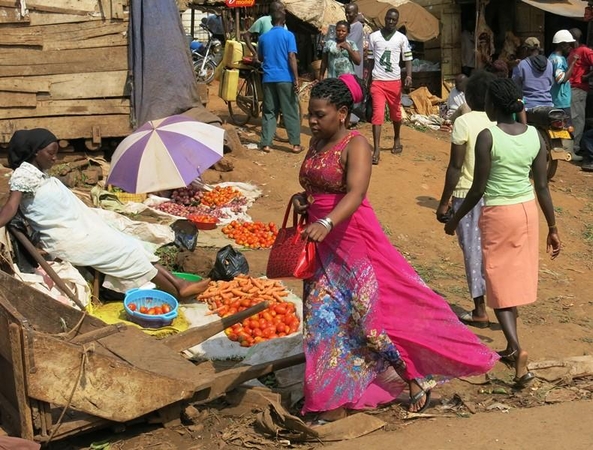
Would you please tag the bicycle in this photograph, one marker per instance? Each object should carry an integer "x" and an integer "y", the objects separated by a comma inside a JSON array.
[{"x": 249, "y": 103}]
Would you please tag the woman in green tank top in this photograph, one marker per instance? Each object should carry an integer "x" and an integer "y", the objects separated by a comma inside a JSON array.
[{"x": 505, "y": 156}]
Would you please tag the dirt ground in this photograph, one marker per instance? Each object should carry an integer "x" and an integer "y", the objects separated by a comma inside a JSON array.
[{"x": 404, "y": 192}]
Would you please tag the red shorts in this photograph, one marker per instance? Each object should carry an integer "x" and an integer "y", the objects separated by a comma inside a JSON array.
[{"x": 389, "y": 92}]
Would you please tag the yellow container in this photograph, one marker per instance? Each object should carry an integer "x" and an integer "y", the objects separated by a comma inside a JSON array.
[
  {"x": 227, "y": 89},
  {"x": 233, "y": 53}
]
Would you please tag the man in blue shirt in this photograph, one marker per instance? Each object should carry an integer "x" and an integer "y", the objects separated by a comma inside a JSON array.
[
  {"x": 277, "y": 50},
  {"x": 261, "y": 26},
  {"x": 534, "y": 75}
]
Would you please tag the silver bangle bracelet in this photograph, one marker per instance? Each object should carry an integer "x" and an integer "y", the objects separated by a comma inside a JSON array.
[{"x": 327, "y": 223}]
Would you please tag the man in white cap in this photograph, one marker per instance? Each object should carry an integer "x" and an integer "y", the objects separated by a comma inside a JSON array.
[{"x": 561, "y": 93}]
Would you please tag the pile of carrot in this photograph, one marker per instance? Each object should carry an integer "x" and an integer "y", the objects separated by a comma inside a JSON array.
[{"x": 229, "y": 297}]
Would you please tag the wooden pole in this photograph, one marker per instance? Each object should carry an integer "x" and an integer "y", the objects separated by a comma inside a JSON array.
[
  {"x": 237, "y": 25},
  {"x": 43, "y": 263}
]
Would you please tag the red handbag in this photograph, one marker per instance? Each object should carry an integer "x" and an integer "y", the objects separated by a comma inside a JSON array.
[{"x": 291, "y": 255}]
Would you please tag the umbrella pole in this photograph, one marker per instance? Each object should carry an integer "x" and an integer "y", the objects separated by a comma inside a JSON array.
[{"x": 237, "y": 25}]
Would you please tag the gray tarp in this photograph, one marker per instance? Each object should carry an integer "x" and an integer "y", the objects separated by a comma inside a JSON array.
[{"x": 162, "y": 76}]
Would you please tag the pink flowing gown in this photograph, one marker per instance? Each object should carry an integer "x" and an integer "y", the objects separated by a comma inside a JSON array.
[{"x": 367, "y": 310}]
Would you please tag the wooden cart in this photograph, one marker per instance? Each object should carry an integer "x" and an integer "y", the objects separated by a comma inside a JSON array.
[{"x": 63, "y": 372}]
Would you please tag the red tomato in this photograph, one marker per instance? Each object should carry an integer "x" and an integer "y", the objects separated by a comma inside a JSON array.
[
  {"x": 280, "y": 308},
  {"x": 151, "y": 312},
  {"x": 132, "y": 306},
  {"x": 269, "y": 331},
  {"x": 243, "y": 336},
  {"x": 143, "y": 309},
  {"x": 158, "y": 311}
]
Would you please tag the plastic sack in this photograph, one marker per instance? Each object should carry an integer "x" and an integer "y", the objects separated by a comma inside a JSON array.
[
  {"x": 186, "y": 234},
  {"x": 23, "y": 259},
  {"x": 229, "y": 263},
  {"x": 364, "y": 110}
]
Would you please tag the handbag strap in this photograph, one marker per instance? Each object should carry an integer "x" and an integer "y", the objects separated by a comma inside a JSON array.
[{"x": 294, "y": 214}]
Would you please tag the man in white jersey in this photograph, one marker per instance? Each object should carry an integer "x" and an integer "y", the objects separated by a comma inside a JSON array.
[{"x": 388, "y": 46}]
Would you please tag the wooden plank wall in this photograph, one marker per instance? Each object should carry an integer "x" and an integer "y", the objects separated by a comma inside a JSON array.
[{"x": 64, "y": 67}]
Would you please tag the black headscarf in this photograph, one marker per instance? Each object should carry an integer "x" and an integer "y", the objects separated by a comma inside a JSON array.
[{"x": 24, "y": 144}]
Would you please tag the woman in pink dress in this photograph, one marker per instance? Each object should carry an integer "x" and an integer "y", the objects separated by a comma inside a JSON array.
[{"x": 372, "y": 326}]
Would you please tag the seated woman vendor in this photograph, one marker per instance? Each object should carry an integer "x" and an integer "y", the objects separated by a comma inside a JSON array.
[{"x": 73, "y": 232}]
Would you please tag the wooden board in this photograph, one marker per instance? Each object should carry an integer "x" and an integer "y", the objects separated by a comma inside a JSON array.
[
  {"x": 59, "y": 6},
  {"x": 20, "y": 380},
  {"x": 25, "y": 84},
  {"x": 146, "y": 353},
  {"x": 41, "y": 311},
  {"x": 64, "y": 33},
  {"x": 89, "y": 85},
  {"x": 46, "y": 18},
  {"x": 11, "y": 15},
  {"x": 71, "y": 86},
  {"x": 47, "y": 108},
  {"x": 67, "y": 127},
  {"x": 102, "y": 41},
  {"x": 7, "y": 380},
  {"x": 112, "y": 389},
  {"x": 37, "y": 62},
  {"x": 17, "y": 99}
]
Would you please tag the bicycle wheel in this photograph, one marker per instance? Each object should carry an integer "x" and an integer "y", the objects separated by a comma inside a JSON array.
[{"x": 240, "y": 109}]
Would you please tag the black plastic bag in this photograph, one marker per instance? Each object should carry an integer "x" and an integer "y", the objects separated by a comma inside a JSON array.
[
  {"x": 229, "y": 263},
  {"x": 364, "y": 110},
  {"x": 186, "y": 234},
  {"x": 23, "y": 259}
]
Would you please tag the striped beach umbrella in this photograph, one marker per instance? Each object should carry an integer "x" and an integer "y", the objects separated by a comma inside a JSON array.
[{"x": 164, "y": 154}]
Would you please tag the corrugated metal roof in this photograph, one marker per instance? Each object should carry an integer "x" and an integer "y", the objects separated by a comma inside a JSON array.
[{"x": 566, "y": 8}]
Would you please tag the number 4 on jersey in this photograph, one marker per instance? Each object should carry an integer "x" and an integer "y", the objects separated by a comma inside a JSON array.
[{"x": 385, "y": 60}]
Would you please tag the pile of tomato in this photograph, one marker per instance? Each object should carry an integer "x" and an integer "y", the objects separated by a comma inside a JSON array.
[
  {"x": 152, "y": 311},
  {"x": 277, "y": 321},
  {"x": 220, "y": 196},
  {"x": 202, "y": 218},
  {"x": 252, "y": 234}
]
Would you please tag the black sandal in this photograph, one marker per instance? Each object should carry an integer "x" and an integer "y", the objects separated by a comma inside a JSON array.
[
  {"x": 508, "y": 357},
  {"x": 415, "y": 399},
  {"x": 524, "y": 381}
]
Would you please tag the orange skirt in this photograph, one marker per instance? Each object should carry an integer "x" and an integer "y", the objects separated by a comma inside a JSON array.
[{"x": 510, "y": 239}]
